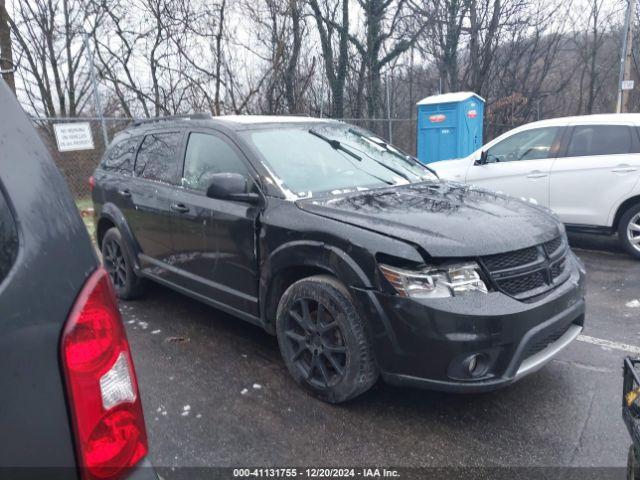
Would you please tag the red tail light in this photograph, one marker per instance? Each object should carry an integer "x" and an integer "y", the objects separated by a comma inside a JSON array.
[
  {"x": 92, "y": 182},
  {"x": 101, "y": 383}
]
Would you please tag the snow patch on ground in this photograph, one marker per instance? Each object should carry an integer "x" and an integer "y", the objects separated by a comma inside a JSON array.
[{"x": 633, "y": 304}]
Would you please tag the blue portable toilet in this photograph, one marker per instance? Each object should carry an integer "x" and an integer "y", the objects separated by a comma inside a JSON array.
[{"x": 449, "y": 126}]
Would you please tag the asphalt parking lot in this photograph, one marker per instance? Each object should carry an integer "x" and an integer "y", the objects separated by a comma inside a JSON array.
[{"x": 216, "y": 393}]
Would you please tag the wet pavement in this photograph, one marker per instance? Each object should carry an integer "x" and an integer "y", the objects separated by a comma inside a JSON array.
[{"x": 216, "y": 393}]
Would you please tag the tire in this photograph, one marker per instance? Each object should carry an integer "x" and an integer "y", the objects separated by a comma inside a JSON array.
[
  {"x": 325, "y": 345},
  {"x": 117, "y": 262},
  {"x": 628, "y": 234}
]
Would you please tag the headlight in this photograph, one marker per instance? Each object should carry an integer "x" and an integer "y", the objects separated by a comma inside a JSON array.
[{"x": 435, "y": 282}]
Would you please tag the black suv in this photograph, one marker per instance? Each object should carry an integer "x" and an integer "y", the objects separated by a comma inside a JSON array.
[
  {"x": 353, "y": 253},
  {"x": 70, "y": 406}
]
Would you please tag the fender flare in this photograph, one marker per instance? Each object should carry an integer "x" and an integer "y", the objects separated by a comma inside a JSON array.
[
  {"x": 333, "y": 260},
  {"x": 309, "y": 253}
]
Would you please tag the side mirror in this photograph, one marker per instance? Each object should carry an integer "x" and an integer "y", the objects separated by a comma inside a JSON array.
[
  {"x": 230, "y": 186},
  {"x": 483, "y": 158}
]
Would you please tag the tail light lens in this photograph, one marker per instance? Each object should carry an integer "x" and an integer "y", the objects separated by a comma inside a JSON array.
[
  {"x": 102, "y": 386},
  {"x": 92, "y": 183}
]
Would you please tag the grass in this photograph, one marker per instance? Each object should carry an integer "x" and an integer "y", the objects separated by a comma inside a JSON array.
[{"x": 86, "y": 205}]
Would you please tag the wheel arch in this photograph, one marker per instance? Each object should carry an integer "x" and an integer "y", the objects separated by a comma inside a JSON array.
[
  {"x": 111, "y": 216},
  {"x": 301, "y": 259},
  {"x": 624, "y": 206}
]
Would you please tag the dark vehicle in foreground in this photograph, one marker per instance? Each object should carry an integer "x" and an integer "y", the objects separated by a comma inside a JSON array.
[
  {"x": 70, "y": 405},
  {"x": 354, "y": 254},
  {"x": 631, "y": 413}
]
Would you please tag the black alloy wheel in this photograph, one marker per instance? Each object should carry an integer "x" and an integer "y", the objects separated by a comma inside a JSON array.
[
  {"x": 324, "y": 341},
  {"x": 115, "y": 263},
  {"x": 319, "y": 350}
]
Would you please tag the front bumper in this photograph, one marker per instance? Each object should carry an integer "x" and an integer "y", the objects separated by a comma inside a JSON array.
[{"x": 428, "y": 343}]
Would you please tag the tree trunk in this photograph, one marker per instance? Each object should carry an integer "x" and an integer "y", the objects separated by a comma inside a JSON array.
[
  {"x": 290, "y": 75},
  {"x": 6, "y": 51}
]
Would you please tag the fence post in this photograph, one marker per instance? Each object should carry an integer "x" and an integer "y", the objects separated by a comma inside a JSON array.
[{"x": 94, "y": 83}]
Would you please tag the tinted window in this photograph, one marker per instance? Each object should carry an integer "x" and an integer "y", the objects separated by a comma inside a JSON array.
[
  {"x": 119, "y": 157},
  {"x": 528, "y": 145},
  {"x": 599, "y": 140},
  {"x": 157, "y": 159},
  {"x": 209, "y": 154},
  {"x": 8, "y": 239}
]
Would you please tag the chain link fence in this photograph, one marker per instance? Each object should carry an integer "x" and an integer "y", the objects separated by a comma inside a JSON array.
[{"x": 78, "y": 166}]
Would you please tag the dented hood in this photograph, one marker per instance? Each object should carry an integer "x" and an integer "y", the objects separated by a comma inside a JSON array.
[{"x": 445, "y": 219}]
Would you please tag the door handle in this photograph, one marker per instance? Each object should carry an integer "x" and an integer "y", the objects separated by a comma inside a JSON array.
[
  {"x": 179, "y": 207},
  {"x": 537, "y": 174},
  {"x": 124, "y": 193},
  {"x": 624, "y": 169}
]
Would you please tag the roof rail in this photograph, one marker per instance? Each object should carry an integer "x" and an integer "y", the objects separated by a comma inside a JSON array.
[{"x": 189, "y": 116}]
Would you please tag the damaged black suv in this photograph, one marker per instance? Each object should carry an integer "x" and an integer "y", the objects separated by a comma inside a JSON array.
[{"x": 353, "y": 253}]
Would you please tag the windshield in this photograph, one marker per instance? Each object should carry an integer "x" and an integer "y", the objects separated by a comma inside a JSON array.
[{"x": 309, "y": 160}]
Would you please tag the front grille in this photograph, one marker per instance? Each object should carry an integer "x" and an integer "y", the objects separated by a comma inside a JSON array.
[
  {"x": 553, "y": 245},
  {"x": 530, "y": 271},
  {"x": 522, "y": 284},
  {"x": 543, "y": 342},
  {"x": 557, "y": 268},
  {"x": 511, "y": 259}
]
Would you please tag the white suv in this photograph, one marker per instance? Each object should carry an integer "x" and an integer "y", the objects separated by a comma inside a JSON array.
[{"x": 586, "y": 169}]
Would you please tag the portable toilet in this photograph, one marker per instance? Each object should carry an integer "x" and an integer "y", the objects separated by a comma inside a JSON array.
[{"x": 449, "y": 126}]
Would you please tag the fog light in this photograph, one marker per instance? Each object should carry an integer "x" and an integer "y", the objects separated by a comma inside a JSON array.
[
  {"x": 473, "y": 363},
  {"x": 477, "y": 365}
]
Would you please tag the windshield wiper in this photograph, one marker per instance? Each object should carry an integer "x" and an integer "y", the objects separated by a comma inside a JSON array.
[
  {"x": 335, "y": 144},
  {"x": 410, "y": 159}
]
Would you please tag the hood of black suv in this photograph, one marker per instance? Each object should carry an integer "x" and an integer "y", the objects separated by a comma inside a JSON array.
[{"x": 445, "y": 219}]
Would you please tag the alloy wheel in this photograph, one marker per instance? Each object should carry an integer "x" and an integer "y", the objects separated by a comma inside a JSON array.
[
  {"x": 316, "y": 343},
  {"x": 633, "y": 232},
  {"x": 115, "y": 263}
]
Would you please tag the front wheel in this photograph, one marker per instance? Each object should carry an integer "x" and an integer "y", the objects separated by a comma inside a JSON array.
[
  {"x": 323, "y": 340},
  {"x": 119, "y": 266},
  {"x": 629, "y": 230}
]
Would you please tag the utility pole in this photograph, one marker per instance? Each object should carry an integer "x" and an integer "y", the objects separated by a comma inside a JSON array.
[
  {"x": 389, "y": 111},
  {"x": 6, "y": 51},
  {"x": 94, "y": 82},
  {"x": 626, "y": 59}
]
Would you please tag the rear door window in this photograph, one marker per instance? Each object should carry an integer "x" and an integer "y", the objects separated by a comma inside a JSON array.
[
  {"x": 119, "y": 158},
  {"x": 209, "y": 154},
  {"x": 8, "y": 238},
  {"x": 158, "y": 157},
  {"x": 591, "y": 140}
]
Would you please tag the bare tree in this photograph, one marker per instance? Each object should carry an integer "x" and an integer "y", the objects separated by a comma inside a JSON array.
[
  {"x": 335, "y": 65},
  {"x": 443, "y": 36}
]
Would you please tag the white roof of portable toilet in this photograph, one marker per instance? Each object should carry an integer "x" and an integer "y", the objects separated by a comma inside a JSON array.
[{"x": 448, "y": 98}]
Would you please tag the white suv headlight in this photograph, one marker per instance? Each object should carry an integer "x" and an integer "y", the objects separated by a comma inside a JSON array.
[{"x": 435, "y": 282}]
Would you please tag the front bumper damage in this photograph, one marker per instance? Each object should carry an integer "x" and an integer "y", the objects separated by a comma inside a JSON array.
[{"x": 428, "y": 343}]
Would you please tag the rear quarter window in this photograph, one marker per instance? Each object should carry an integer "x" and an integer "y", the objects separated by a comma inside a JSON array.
[
  {"x": 158, "y": 157},
  {"x": 8, "y": 238},
  {"x": 119, "y": 158},
  {"x": 592, "y": 140}
]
